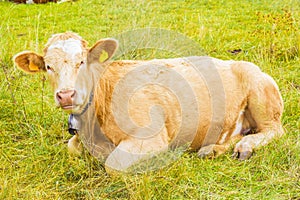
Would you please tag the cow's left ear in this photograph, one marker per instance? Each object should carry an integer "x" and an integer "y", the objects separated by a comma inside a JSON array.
[
  {"x": 102, "y": 51},
  {"x": 29, "y": 62}
]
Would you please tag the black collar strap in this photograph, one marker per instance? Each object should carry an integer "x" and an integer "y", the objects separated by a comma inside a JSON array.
[
  {"x": 74, "y": 119},
  {"x": 88, "y": 104}
]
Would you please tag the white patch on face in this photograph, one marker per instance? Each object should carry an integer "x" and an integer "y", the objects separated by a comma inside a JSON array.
[{"x": 70, "y": 46}]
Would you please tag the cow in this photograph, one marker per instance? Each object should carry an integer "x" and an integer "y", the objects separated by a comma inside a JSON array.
[{"x": 145, "y": 107}]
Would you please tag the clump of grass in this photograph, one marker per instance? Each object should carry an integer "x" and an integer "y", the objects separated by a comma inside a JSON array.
[{"x": 280, "y": 32}]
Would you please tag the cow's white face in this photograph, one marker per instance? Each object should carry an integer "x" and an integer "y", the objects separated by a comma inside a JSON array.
[
  {"x": 70, "y": 66},
  {"x": 63, "y": 60}
]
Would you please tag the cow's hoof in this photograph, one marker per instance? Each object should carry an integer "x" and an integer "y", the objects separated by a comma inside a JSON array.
[
  {"x": 206, "y": 152},
  {"x": 242, "y": 155},
  {"x": 74, "y": 146}
]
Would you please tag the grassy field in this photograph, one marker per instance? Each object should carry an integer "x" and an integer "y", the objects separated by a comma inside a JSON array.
[{"x": 34, "y": 162}]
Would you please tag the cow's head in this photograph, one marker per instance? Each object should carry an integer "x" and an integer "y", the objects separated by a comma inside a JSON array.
[{"x": 70, "y": 66}]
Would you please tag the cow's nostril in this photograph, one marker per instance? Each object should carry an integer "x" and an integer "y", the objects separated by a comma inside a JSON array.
[
  {"x": 73, "y": 94},
  {"x": 58, "y": 96}
]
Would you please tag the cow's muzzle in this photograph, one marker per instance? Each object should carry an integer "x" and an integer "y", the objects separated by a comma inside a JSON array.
[{"x": 65, "y": 98}]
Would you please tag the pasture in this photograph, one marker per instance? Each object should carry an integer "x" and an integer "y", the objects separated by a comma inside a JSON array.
[{"x": 34, "y": 160}]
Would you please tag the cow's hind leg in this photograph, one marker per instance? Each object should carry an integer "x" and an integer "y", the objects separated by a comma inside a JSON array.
[
  {"x": 265, "y": 108},
  {"x": 214, "y": 150}
]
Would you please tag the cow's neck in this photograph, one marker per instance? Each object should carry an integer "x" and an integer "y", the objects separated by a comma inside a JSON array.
[
  {"x": 103, "y": 96},
  {"x": 91, "y": 98},
  {"x": 104, "y": 91}
]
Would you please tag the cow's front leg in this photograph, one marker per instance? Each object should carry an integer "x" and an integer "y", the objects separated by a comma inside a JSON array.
[
  {"x": 74, "y": 146},
  {"x": 132, "y": 151}
]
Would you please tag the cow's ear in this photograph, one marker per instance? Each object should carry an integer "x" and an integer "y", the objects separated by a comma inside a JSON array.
[
  {"x": 102, "y": 51},
  {"x": 29, "y": 62}
]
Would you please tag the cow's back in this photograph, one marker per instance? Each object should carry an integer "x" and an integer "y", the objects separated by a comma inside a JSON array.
[{"x": 190, "y": 97}]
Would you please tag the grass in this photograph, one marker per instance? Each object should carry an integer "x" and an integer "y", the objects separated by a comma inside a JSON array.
[{"x": 33, "y": 154}]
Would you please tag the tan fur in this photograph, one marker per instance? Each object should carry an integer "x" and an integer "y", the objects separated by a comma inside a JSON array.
[
  {"x": 252, "y": 102},
  {"x": 240, "y": 80}
]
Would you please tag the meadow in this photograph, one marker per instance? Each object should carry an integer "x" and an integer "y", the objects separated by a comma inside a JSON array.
[{"x": 34, "y": 161}]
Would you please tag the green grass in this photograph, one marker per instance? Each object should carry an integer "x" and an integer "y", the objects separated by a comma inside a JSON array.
[{"x": 33, "y": 154}]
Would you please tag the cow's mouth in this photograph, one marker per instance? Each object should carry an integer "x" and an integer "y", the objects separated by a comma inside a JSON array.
[
  {"x": 78, "y": 108},
  {"x": 68, "y": 107}
]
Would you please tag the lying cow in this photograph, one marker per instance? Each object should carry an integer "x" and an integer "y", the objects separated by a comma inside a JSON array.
[{"x": 223, "y": 101}]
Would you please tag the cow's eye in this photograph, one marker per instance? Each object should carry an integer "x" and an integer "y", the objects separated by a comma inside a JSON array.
[
  {"x": 49, "y": 68},
  {"x": 78, "y": 65}
]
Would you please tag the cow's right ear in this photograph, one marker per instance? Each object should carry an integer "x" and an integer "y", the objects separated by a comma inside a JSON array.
[{"x": 29, "y": 62}]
